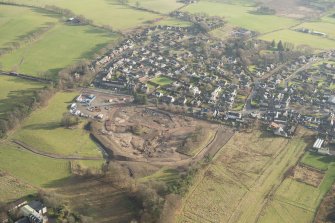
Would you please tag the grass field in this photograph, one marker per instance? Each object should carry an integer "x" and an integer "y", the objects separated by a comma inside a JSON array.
[
  {"x": 13, "y": 91},
  {"x": 42, "y": 130},
  {"x": 32, "y": 169},
  {"x": 239, "y": 15},
  {"x": 297, "y": 202},
  {"x": 12, "y": 188},
  {"x": 59, "y": 47},
  {"x": 102, "y": 12},
  {"x": 173, "y": 22},
  {"x": 325, "y": 27},
  {"x": 18, "y": 21},
  {"x": 316, "y": 161},
  {"x": 164, "y": 174},
  {"x": 162, "y": 81},
  {"x": 162, "y": 6},
  {"x": 298, "y": 38},
  {"x": 222, "y": 33},
  {"x": 245, "y": 170}
]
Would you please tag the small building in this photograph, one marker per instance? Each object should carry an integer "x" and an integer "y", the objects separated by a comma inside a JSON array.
[
  {"x": 324, "y": 151},
  {"x": 38, "y": 207},
  {"x": 318, "y": 144}
]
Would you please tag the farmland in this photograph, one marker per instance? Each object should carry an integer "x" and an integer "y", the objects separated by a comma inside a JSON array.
[
  {"x": 325, "y": 27},
  {"x": 246, "y": 169},
  {"x": 239, "y": 15},
  {"x": 298, "y": 38},
  {"x": 111, "y": 12},
  {"x": 12, "y": 188},
  {"x": 173, "y": 22},
  {"x": 162, "y": 6},
  {"x": 42, "y": 131},
  {"x": 13, "y": 27},
  {"x": 14, "y": 91},
  {"x": 70, "y": 43},
  {"x": 297, "y": 201},
  {"x": 31, "y": 163}
]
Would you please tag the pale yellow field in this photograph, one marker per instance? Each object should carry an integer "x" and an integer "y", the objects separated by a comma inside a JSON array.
[{"x": 235, "y": 187}]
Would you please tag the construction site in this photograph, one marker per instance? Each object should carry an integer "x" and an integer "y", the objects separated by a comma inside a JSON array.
[{"x": 146, "y": 133}]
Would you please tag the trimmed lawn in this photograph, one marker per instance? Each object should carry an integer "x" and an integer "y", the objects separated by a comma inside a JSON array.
[
  {"x": 298, "y": 38},
  {"x": 14, "y": 91},
  {"x": 239, "y": 15},
  {"x": 31, "y": 168},
  {"x": 162, "y": 81},
  {"x": 61, "y": 46},
  {"x": 42, "y": 130},
  {"x": 17, "y": 21}
]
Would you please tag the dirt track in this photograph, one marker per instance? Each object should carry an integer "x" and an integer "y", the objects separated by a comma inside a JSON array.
[{"x": 51, "y": 155}]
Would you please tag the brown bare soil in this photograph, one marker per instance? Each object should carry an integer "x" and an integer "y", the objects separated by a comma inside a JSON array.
[
  {"x": 148, "y": 133},
  {"x": 292, "y": 9},
  {"x": 96, "y": 199},
  {"x": 308, "y": 175},
  {"x": 326, "y": 213}
]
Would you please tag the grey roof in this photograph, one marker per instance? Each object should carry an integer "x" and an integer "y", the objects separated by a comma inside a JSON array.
[
  {"x": 23, "y": 220},
  {"x": 36, "y": 205}
]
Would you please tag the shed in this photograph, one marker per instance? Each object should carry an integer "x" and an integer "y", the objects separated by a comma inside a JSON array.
[{"x": 318, "y": 144}]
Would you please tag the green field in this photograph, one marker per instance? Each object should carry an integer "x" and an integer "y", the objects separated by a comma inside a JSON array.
[
  {"x": 317, "y": 161},
  {"x": 42, "y": 130},
  {"x": 102, "y": 12},
  {"x": 61, "y": 46},
  {"x": 244, "y": 172},
  {"x": 325, "y": 27},
  {"x": 329, "y": 18},
  {"x": 162, "y": 81},
  {"x": 162, "y": 6},
  {"x": 12, "y": 188},
  {"x": 298, "y": 202},
  {"x": 13, "y": 91},
  {"x": 298, "y": 38},
  {"x": 173, "y": 22},
  {"x": 94, "y": 164},
  {"x": 18, "y": 21},
  {"x": 239, "y": 15},
  {"x": 293, "y": 202},
  {"x": 32, "y": 169}
]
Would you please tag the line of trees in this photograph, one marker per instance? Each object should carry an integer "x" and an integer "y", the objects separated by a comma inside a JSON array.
[
  {"x": 20, "y": 111},
  {"x": 27, "y": 38}
]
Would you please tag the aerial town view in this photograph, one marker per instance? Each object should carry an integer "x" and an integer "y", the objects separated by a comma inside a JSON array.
[{"x": 167, "y": 111}]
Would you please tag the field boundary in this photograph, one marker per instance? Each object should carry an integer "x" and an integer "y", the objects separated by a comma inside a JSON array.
[
  {"x": 27, "y": 77},
  {"x": 51, "y": 155}
]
